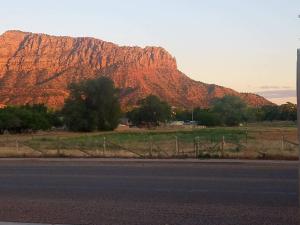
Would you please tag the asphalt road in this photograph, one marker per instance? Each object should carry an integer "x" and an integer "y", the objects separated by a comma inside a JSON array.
[{"x": 149, "y": 193}]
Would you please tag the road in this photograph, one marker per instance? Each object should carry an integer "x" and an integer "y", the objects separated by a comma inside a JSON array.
[{"x": 124, "y": 192}]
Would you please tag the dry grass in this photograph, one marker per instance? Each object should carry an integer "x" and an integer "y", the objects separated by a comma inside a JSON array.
[{"x": 254, "y": 142}]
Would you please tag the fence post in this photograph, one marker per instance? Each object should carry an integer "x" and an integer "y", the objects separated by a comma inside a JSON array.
[
  {"x": 151, "y": 145},
  {"x": 17, "y": 145},
  {"x": 222, "y": 146},
  {"x": 58, "y": 145},
  {"x": 176, "y": 146},
  {"x": 104, "y": 145},
  {"x": 246, "y": 136},
  {"x": 97, "y": 150},
  {"x": 196, "y": 146},
  {"x": 282, "y": 142}
]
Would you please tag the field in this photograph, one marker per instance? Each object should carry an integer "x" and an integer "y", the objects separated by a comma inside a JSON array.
[{"x": 256, "y": 141}]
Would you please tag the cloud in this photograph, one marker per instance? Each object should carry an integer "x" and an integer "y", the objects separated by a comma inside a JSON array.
[
  {"x": 273, "y": 87},
  {"x": 273, "y": 94},
  {"x": 280, "y": 101}
]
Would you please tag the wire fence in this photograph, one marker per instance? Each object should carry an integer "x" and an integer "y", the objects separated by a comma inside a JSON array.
[{"x": 151, "y": 146}]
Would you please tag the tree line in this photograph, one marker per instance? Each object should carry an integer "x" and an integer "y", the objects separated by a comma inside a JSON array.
[
  {"x": 233, "y": 111},
  {"x": 27, "y": 118},
  {"x": 94, "y": 105}
]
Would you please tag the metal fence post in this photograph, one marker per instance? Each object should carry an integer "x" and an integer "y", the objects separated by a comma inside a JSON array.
[
  {"x": 223, "y": 146},
  {"x": 17, "y": 144},
  {"x": 282, "y": 143},
  {"x": 176, "y": 146},
  {"x": 97, "y": 150},
  {"x": 151, "y": 145},
  {"x": 197, "y": 146},
  {"x": 58, "y": 146},
  {"x": 104, "y": 145}
]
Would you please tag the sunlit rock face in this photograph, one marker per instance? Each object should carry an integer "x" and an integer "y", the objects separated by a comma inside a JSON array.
[{"x": 37, "y": 68}]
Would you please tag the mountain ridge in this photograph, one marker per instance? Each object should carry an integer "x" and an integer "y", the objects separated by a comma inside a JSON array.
[{"x": 37, "y": 68}]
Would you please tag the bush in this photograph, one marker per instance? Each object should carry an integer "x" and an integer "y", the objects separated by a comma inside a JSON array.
[{"x": 19, "y": 119}]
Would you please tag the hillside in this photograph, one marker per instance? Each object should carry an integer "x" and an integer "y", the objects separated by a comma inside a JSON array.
[{"x": 37, "y": 68}]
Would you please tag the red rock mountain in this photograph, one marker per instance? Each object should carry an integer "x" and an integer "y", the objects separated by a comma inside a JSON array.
[{"x": 37, "y": 68}]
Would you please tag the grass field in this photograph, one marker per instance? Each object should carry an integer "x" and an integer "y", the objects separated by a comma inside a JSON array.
[{"x": 256, "y": 141}]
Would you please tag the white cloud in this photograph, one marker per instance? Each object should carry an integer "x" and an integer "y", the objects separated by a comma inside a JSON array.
[{"x": 271, "y": 94}]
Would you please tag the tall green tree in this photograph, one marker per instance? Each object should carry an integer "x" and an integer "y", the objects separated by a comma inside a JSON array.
[
  {"x": 232, "y": 110},
  {"x": 92, "y": 105}
]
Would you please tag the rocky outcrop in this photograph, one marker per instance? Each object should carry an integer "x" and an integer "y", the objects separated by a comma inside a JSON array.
[{"x": 37, "y": 68}]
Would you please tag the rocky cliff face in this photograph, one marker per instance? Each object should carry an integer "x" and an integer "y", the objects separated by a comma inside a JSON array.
[{"x": 37, "y": 68}]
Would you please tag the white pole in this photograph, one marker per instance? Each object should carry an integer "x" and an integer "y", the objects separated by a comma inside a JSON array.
[{"x": 298, "y": 114}]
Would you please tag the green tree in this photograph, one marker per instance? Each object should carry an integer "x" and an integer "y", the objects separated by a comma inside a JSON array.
[
  {"x": 206, "y": 117},
  {"x": 231, "y": 110},
  {"x": 92, "y": 105},
  {"x": 18, "y": 119},
  {"x": 151, "y": 112},
  {"x": 288, "y": 111},
  {"x": 270, "y": 112}
]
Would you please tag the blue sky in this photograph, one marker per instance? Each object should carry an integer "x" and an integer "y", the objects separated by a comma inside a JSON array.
[{"x": 248, "y": 45}]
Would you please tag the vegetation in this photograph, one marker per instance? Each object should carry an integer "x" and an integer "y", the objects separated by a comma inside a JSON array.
[
  {"x": 20, "y": 119},
  {"x": 92, "y": 105},
  {"x": 204, "y": 117},
  {"x": 151, "y": 112},
  {"x": 232, "y": 111},
  {"x": 285, "y": 112},
  {"x": 253, "y": 142}
]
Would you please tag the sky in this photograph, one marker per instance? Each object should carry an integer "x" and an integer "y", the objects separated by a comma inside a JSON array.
[{"x": 247, "y": 45}]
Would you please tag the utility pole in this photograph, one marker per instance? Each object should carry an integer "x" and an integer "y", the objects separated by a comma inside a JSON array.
[{"x": 298, "y": 114}]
